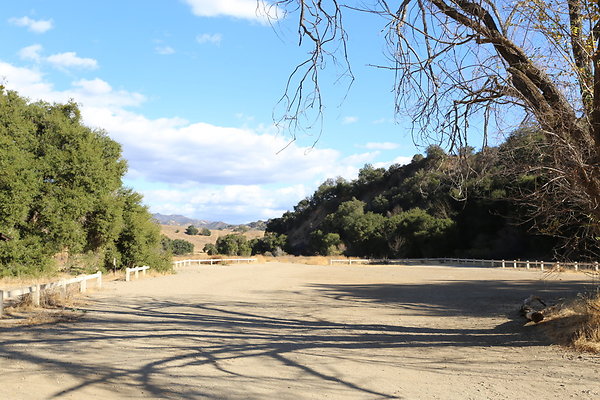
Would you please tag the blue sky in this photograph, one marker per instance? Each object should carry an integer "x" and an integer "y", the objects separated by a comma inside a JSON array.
[{"x": 189, "y": 88}]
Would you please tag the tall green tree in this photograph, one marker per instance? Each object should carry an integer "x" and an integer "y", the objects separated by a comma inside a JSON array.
[{"x": 61, "y": 190}]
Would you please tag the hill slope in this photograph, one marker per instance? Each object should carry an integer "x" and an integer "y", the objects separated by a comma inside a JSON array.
[{"x": 438, "y": 205}]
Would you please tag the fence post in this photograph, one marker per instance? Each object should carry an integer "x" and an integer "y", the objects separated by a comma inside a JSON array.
[
  {"x": 503, "y": 264},
  {"x": 527, "y": 264},
  {"x": 576, "y": 266},
  {"x": 127, "y": 274},
  {"x": 99, "y": 280},
  {"x": 596, "y": 265},
  {"x": 83, "y": 286},
  {"x": 144, "y": 271},
  {"x": 1, "y": 303},
  {"x": 542, "y": 265},
  {"x": 36, "y": 296},
  {"x": 515, "y": 263},
  {"x": 64, "y": 288}
]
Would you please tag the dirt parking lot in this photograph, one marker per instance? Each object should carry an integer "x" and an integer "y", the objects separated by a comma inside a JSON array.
[{"x": 292, "y": 331}]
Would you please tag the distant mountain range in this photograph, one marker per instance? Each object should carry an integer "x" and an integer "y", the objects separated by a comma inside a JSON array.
[{"x": 200, "y": 223}]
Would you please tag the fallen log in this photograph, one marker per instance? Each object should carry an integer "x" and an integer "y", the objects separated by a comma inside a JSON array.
[{"x": 533, "y": 308}]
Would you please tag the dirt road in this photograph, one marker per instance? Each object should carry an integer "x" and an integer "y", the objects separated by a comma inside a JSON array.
[{"x": 290, "y": 331}]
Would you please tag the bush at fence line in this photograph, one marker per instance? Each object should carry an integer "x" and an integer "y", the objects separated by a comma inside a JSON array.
[
  {"x": 210, "y": 249},
  {"x": 233, "y": 244}
]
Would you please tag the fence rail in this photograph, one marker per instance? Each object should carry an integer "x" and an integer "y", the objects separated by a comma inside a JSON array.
[
  {"x": 36, "y": 290},
  {"x": 136, "y": 271},
  {"x": 543, "y": 265},
  {"x": 212, "y": 261}
]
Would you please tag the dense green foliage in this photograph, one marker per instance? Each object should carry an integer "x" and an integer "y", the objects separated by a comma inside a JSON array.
[
  {"x": 270, "y": 243},
  {"x": 177, "y": 247},
  {"x": 191, "y": 230},
  {"x": 210, "y": 249},
  {"x": 233, "y": 244},
  {"x": 437, "y": 205},
  {"x": 61, "y": 193}
]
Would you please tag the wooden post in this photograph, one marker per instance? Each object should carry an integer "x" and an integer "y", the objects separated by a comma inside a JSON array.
[
  {"x": 64, "y": 289},
  {"x": 596, "y": 265},
  {"x": 1, "y": 303},
  {"x": 83, "y": 286},
  {"x": 35, "y": 296},
  {"x": 144, "y": 271},
  {"x": 99, "y": 280},
  {"x": 515, "y": 263},
  {"x": 576, "y": 266},
  {"x": 127, "y": 275},
  {"x": 527, "y": 264},
  {"x": 137, "y": 273},
  {"x": 503, "y": 264},
  {"x": 542, "y": 265}
]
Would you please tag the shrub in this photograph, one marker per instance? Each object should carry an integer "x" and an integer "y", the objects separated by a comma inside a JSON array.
[
  {"x": 210, "y": 249},
  {"x": 191, "y": 230},
  {"x": 181, "y": 247},
  {"x": 233, "y": 244}
]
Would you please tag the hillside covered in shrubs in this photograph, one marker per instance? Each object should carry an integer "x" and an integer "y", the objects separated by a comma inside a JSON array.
[{"x": 470, "y": 204}]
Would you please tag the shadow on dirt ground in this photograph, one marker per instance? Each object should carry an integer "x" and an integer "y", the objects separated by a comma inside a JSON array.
[{"x": 172, "y": 349}]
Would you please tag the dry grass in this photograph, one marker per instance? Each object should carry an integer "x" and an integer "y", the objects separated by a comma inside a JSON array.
[
  {"x": 54, "y": 307},
  {"x": 576, "y": 324}
]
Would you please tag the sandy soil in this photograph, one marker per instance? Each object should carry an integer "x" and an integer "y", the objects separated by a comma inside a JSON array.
[{"x": 290, "y": 331}]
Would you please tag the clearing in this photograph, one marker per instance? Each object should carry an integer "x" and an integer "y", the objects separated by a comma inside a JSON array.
[{"x": 293, "y": 331}]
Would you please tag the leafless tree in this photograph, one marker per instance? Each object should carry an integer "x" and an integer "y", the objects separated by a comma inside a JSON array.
[{"x": 537, "y": 61}]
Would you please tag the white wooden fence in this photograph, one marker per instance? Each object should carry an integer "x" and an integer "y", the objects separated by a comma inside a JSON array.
[
  {"x": 136, "y": 271},
  {"x": 543, "y": 265},
  {"x": 62, "y": 285},
  {"x": 212, "y": 261}
]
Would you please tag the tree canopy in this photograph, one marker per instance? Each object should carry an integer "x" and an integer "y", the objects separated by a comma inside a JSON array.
[
  {"x": 427, "y": 209},
  {"x": 61, "y": 193}
]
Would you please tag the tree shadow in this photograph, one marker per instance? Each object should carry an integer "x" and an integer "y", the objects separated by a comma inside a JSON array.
[
  {"x": 192, "y": 350},
  {"x": 473, "y": 298}
]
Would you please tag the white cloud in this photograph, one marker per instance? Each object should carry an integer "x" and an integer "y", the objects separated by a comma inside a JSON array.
[
  {"x": 28, "y": 82},
  {"x": 362, "y": 158},
  {"x": 60, "y": 60},
  {"x": 349, "y": 120},
  {"x": 37, "y": 26},
  {"x": 164, "y": 50},
  {"x": 175, "y": 152},
  {"x": 400, "y": 160},
  {"x": 70, "y": 59},
  {"x": 90, "y": 93},
  {"x": 200, "y": 170},
  {"x": 233, "y": 203},
  {"x": 381, "y": 146},
  {"x": 31, "y": 52},
  {"x": 246, "y": 9},
  {"x": 214, "y": 38}
]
